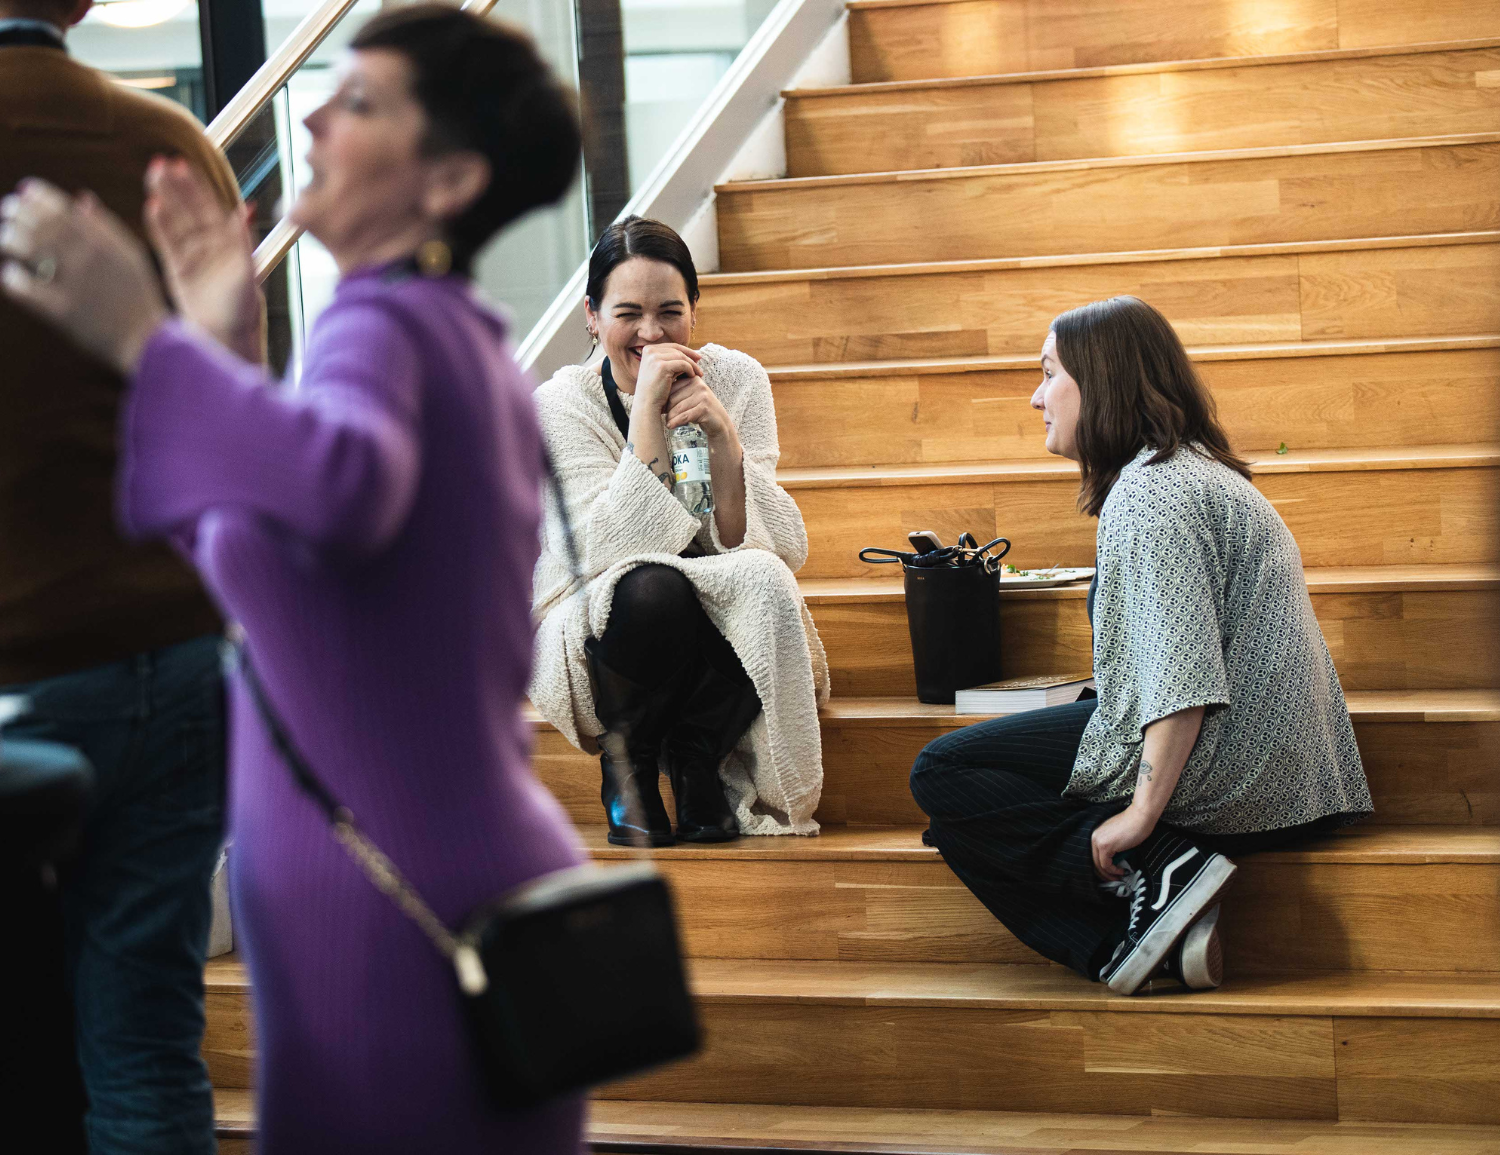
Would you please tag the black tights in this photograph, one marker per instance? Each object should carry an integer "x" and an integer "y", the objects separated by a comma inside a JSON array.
[{"x": 657, "y": 627}]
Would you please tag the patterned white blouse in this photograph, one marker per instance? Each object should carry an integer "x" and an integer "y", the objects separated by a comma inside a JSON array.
[{"x": 1202, "y": 602}]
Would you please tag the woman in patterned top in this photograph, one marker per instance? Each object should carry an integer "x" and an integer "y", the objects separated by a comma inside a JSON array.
[{"x": 1098, "y": 832}]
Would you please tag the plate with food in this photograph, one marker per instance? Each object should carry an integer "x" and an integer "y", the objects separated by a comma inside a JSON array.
[{"x": 1039, "y": 579}]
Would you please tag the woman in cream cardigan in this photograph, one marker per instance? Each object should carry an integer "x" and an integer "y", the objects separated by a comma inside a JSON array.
[{"x": 691, "y": 652}]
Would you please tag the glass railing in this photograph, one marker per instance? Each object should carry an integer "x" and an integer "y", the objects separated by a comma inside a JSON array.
[{"x": 643, "y": 69}]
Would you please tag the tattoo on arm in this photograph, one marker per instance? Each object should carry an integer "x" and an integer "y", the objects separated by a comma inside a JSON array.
[
  {"x": 664, "y": 476},
  {"x": 630, "y": 447},
  {"x": 1146, "y": 771}
]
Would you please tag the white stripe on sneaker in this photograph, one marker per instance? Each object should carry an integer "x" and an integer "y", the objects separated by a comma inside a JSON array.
[{"x": 1166, "y": 877}]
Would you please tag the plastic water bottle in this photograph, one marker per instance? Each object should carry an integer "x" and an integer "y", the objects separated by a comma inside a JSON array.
[{"x": 691, "y": 481}]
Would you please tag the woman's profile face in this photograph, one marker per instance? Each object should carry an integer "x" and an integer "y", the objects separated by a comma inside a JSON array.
[
  {"x": 645, "y": 303},
  {"x": 369, "y": 176},
  {"x": 1059, "y": 401}
]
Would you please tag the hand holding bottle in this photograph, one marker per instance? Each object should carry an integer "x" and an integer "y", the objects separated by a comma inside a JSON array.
[{"x": 661, "y": 367}]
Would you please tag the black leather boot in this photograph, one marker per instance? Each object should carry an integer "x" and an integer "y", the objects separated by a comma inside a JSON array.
[
  {"x": 717, "y": 713},
  {"x": 633, "y": 715}
]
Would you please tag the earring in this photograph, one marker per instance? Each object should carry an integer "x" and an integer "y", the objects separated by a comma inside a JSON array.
[
  {"x": 593, "y": 336},
  {"x": 435, "y": 258}
]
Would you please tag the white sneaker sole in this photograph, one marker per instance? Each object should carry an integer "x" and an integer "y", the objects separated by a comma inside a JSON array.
[
  {"x": 1172, "y": 924},
  {"x": 1203, "y": 953}
]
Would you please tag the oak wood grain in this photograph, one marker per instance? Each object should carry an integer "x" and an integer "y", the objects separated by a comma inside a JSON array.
[
  {"x": 1391, "y": 288},
  {"x": 1007, "y": 120},
  {"x": 1025, "y": 210},
  {"x": 930, "y": 414},
  {"x": 914, "y": 41}
]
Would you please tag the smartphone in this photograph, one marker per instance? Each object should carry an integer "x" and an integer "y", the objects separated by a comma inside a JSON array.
[{"x": 924, "y": 541}]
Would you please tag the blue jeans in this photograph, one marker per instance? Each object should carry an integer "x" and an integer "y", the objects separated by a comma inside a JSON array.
[{"x": 135, "y": 899}]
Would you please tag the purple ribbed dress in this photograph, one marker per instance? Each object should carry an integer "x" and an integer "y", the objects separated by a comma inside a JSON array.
[{"x": 375, "y": 534}]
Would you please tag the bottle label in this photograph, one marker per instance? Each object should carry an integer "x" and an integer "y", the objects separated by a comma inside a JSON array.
[{"x": 690, "y": 465}]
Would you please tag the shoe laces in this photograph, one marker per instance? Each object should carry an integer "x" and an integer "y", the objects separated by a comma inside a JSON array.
[{"x": 1133, "y": 887}]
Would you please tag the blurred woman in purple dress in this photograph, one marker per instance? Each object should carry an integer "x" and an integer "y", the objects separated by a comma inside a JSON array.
[{"x": 375, "y": 535}]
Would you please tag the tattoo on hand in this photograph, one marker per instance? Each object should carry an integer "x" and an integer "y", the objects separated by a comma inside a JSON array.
[{"x": 1146, "y": 770}]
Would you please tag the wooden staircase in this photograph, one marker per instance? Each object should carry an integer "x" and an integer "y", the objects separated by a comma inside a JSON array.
[{"x": 1310, "y": 190}]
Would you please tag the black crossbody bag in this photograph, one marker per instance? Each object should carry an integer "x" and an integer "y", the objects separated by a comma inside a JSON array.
[{"x": 567, "y": 981}]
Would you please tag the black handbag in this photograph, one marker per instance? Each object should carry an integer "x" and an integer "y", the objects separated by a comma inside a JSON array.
[
  {"x": 952, "y": 614},
  {"x": 569, "y": 980}
]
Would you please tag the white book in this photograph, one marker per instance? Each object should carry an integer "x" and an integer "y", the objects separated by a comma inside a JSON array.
[{"x": 1017, "y": 695}]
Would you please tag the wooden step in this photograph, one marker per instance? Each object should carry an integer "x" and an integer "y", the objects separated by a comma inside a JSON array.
[
  {"x": 917, "y": 39},
  {"x": 1445, "y": 285},
  {"x": 1318, "y": 395},
  {"x": 1388, "y": 628},
  {"x": 953, "y": 1037},
  {"x": 1139, "y": 110},
  {"x": 1417, "y": 1048},
  {"x": 1430, "y": 755},
  {"x": 1418, "y": 899},
  {"x": 1424, "y": 505},
  {"x": 1255, "y": 196},
  {"x": 640, "y": 1128}
]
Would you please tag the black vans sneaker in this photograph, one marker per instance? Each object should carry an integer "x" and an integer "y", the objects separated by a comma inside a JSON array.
[{"x": 1172, "y": 885}]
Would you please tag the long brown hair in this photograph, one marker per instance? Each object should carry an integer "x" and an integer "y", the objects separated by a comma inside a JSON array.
[{"x": 1137, "y": 388}]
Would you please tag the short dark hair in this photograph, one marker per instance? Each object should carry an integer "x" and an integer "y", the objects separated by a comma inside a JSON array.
[
  {"x": 1137, "y": 388},
  {"x": 638, "y": 237},
  {"x": 485, "y": 89}
]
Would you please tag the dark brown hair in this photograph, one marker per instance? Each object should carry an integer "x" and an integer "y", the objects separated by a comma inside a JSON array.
[
  {"x": 1137, "y": 388},
  {"x": 485, "y": 89},
  {"x": 638, "y": 237}
]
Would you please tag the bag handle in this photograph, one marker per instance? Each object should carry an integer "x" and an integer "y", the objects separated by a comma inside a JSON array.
[{"x": 461, "y": 950}]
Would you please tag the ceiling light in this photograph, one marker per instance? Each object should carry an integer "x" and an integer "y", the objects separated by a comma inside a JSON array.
[{"x": 137, "y": 13}]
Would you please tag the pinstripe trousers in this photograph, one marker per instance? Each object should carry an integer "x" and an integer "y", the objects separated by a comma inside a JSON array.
[{"x": 993, "y": 795}]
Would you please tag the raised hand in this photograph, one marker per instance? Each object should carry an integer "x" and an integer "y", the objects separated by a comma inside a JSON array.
[
  {"x": 662, "y": 365},
  {"x": 206, "y": 256},
  {"x": 74, "y": 262}
]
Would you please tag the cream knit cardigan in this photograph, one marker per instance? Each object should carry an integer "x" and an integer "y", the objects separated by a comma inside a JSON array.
[{"x": 623, "y": 517}]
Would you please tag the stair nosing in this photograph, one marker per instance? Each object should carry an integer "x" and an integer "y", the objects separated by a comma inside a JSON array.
[
  {"x": 1151, "y": 160},
  {"x": 1135, "y": 256},
  {"x": 1264, "y": 463},
  {"x": 1156, "y": 67},
  {"x": 905, "y": 712},
  {"x": 1440, "y": 578},
  {"x": 715, "y": 981},
  {"x": 1449, "y": 845},
  {"x": 1270, "y": 351}
]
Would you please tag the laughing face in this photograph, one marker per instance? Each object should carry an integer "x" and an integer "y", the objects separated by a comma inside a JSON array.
[{"x": 645, "y": 303}]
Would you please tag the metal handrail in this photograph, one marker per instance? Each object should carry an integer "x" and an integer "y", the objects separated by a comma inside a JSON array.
[
  {"x": 272, "y": 76},
  {"x": 279, "y": 241}
]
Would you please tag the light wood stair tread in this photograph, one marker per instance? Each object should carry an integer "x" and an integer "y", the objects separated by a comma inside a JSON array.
[
  {"x": 1027, "y": 987},
  {"x": 1020, "y": 986},
  {"x": 1371, "y": 705},
  {"x": 1481, "y": 455},
  {"x": 1330, "y": 579},
  {"x": 906, "y": 176},
  {"x": 1199, "y": 65},
  {"x": 622, "y": 1125},
  {"x": 1140, "y": 256},
  {"x": 626, "y": 1126},
  {"x": 930, "y": 366},
  {"x": 1393, "y": 846}
]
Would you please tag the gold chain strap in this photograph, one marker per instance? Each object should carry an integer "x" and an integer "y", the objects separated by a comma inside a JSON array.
[{"x": 389, "y": 880}]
